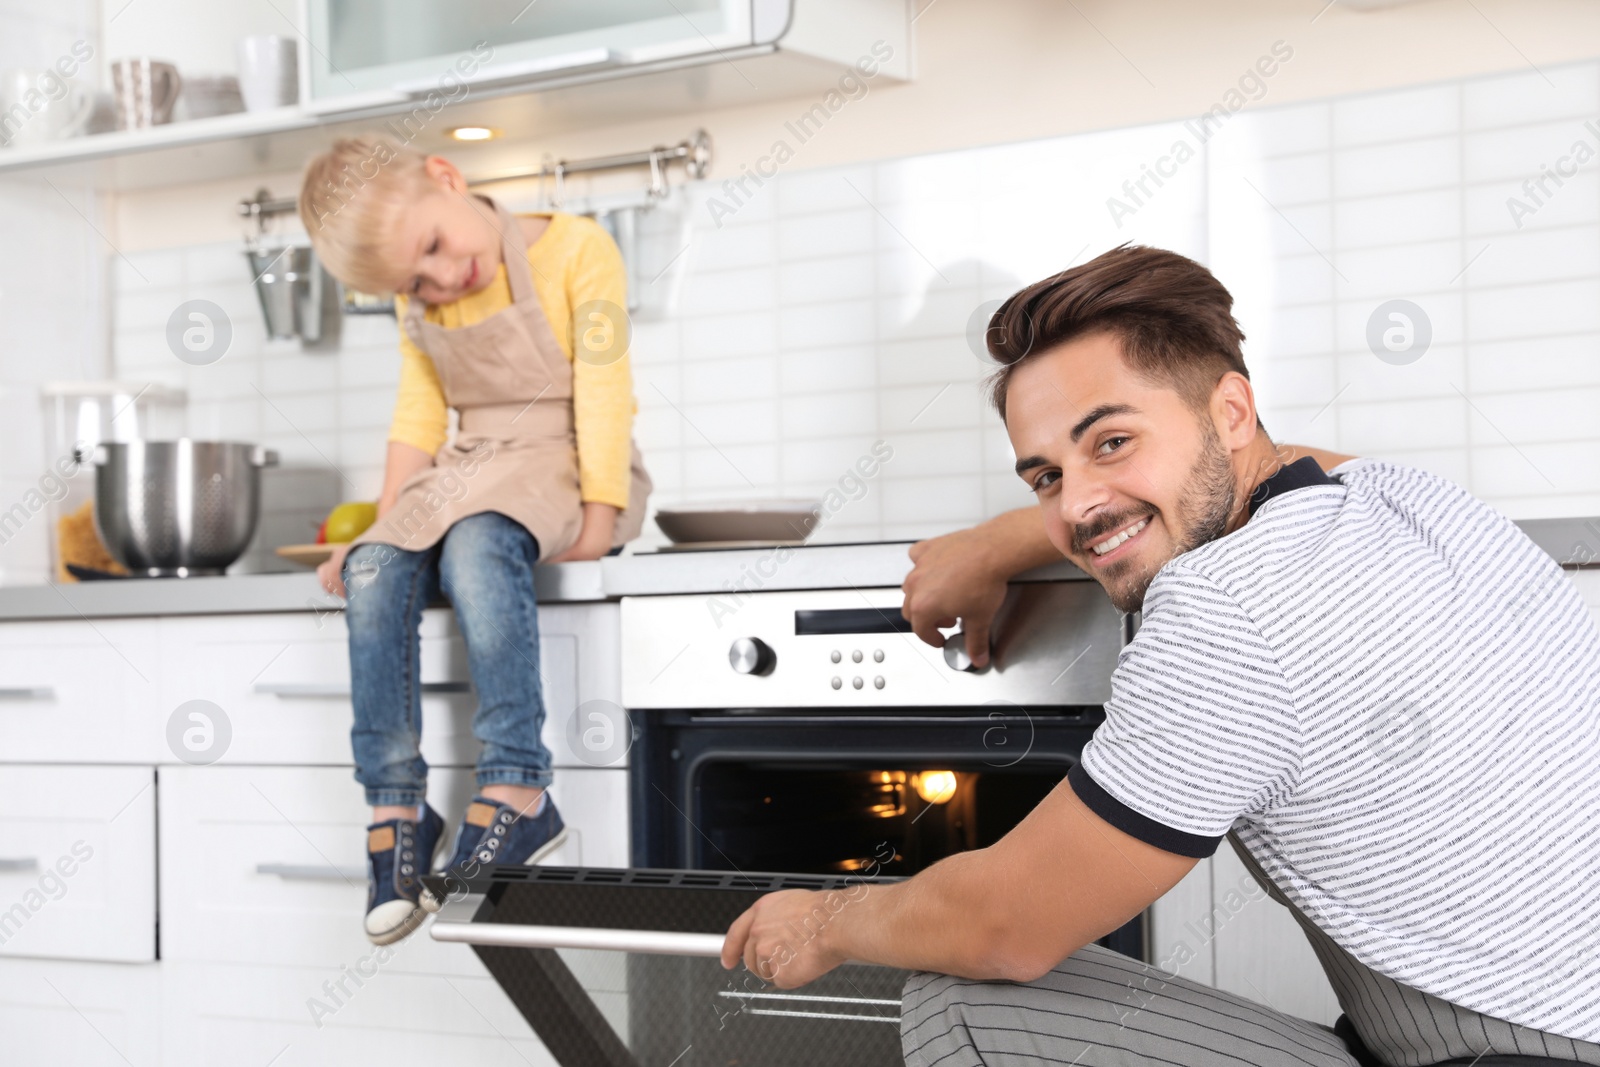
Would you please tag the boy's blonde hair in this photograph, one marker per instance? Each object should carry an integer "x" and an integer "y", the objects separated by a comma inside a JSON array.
[{"x": 350, "y": 199}]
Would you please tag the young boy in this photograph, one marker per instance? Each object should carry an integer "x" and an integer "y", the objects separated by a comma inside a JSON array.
[{"x": 542, "y": 467}]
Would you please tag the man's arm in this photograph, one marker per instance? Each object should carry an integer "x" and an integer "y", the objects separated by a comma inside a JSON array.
[
  {"x": 1062, "y": 878},
  {"x": 963, "y": 575}
]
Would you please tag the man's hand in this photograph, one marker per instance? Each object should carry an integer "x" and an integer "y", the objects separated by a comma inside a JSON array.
[
  {"x": 963, "y": 576},
  {"x": 783, "y": 937},
  {"x": 950, "y": 581},
  {"x": 1060, "y": 879}
]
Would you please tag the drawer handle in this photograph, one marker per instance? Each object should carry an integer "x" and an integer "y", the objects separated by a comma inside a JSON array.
[
  {"x": 300, "y": 872},
  {"x": 18, "y": 863},
  {"x": 322, "y": 689},
  {"x": 514, "y": 935},
  {"x": 27, "y": 692}
]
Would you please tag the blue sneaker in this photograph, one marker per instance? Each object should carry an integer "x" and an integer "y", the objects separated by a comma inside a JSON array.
[
  {"x": 399, "y": 853},
  {"x": 493, "y": 833}
]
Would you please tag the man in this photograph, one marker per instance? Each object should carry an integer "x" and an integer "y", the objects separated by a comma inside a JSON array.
[{"x": 1374, "y": 684}]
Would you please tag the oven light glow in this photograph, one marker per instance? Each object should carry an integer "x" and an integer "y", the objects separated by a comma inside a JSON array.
[{"x": 935, "y": 787}]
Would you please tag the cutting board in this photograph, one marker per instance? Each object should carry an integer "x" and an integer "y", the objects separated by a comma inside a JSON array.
[{"x": 306, "y": 555}]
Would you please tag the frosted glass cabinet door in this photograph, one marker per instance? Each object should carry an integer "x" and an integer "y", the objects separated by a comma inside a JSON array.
[{"x": 414, "y": 47}]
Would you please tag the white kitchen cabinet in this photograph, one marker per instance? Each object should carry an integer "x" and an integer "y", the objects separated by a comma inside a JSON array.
[
  {"x": 1174, "y": 945},
  {"x": 82, "y": 1014},
  {"x": 367, "y": 54},
  {"x": 267, "y": 864},
  {"x": 263, "y": 869},
  {"x": 299, "y": 1016},
  {"x": 1218, "y": 927},
  {"x": 1261, "y": 952},
  {"x": 282, "y": 682},
  {"x": 79, "y": 691},
  {"x": 243, "y": 953},
  {"x": 78, "y": 862},
  {"x": 410, "y": 45}
]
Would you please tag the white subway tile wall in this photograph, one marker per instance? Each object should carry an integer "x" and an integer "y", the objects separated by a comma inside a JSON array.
[
  {"x": 831, "y": 308},
  {"x": 1478, "y": 201}
]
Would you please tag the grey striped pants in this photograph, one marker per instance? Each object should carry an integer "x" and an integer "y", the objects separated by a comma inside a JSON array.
[{"x": 1098, "y": 1008}]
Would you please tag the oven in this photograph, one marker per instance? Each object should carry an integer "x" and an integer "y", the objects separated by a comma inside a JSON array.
[{"x": 786, "y": 739}]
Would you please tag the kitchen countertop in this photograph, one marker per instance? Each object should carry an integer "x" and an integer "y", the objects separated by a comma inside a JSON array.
[
  {"x": 709, "y": 572},
  {"x": 717, "y": 573}
]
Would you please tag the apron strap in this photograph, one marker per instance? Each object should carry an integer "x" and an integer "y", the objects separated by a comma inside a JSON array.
[
  {"x": 414, "y": 320},
  {"x": 514, "y": 250}
]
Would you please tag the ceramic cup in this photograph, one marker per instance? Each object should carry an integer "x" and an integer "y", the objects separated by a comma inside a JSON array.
[
  {"x": 268, "y": 72},
  {"x": 39, "y": 106},
  {"x": 144, "y": 90}
]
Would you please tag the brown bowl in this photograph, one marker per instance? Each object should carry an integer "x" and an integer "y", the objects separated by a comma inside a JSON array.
[{"x": 759, "y": 521}]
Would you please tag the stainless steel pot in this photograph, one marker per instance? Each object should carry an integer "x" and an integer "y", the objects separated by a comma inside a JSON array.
[{"x": 177, "y": 508}]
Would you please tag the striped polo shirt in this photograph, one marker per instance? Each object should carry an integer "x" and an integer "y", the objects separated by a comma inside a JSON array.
[{"x": 1393, "y": 697}]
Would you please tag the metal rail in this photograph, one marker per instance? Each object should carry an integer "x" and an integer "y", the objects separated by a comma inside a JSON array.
[{"x": 694, "y": 153}]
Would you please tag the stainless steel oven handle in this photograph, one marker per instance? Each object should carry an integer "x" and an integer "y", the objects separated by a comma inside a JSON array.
[{"x": 515, "y": 935}]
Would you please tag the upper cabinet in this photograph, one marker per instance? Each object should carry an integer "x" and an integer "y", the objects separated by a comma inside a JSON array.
[
  {"x": 414, "y": 47},
  {"x": 524, "y": 68}
]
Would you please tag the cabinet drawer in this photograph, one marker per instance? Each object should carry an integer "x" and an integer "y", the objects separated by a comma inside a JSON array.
[
  {"x": 217, "y": 1013},
  {"x": 79, "y": 691},
  {"x": 267, "y": 864},
  {"x": 283, "y": 684},
  {"x": 84, "y": 1014},
  {"x": 78, "y": 862}
]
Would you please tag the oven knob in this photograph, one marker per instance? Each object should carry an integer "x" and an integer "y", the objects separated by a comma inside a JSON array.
[
  {"x": 955, "y": 653},
  {"x": 751, "y": 655}
]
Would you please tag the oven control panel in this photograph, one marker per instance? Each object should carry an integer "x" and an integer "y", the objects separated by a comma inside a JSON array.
[{"x": 1054, "y": 643}]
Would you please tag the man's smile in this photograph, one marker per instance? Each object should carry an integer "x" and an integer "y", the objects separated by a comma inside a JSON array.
[{"x": 1114, "y": 545}]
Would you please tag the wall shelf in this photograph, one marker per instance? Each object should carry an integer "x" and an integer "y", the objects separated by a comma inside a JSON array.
[{"x": 255, "y": 143}]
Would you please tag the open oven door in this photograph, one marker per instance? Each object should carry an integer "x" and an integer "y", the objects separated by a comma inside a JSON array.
[{"x": 620, "y": 968}]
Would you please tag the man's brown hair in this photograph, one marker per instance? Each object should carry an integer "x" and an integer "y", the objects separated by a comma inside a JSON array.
[{"x": 1172, "y": 317}]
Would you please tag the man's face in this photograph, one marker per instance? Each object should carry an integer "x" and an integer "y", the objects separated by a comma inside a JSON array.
[{"x": 1127, "y": 474}]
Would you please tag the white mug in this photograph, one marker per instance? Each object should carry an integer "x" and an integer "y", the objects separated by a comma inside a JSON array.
[
  {"x": 40, "y": 106},
  {"x": 269, "y": 74}
]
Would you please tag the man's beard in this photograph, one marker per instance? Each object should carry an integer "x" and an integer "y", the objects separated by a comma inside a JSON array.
[{"x": 1203, "y": 510}]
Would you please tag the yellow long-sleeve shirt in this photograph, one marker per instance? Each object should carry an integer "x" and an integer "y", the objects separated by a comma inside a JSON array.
[{"x": 574, "y": 261}]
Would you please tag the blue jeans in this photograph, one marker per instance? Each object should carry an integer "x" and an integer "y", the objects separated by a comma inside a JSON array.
[{"x": 484, "y": 565}]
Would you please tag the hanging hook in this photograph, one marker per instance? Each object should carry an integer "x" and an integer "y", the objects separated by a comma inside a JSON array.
[
  {"x": 561, "y": 192},
  {"x": 658, "y": 182}
]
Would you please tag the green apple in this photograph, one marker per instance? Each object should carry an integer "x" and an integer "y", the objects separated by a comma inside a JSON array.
[{"x": 347, "y": 521}]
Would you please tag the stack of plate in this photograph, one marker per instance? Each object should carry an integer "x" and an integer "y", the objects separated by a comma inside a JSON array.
[{"x": 207, "y": 96}]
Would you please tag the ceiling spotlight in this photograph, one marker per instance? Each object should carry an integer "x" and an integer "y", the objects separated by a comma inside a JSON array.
[{"x": 474, "y": 133}]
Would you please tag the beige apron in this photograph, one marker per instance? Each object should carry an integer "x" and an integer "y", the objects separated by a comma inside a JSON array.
[{"x": 515, "y": 451}]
